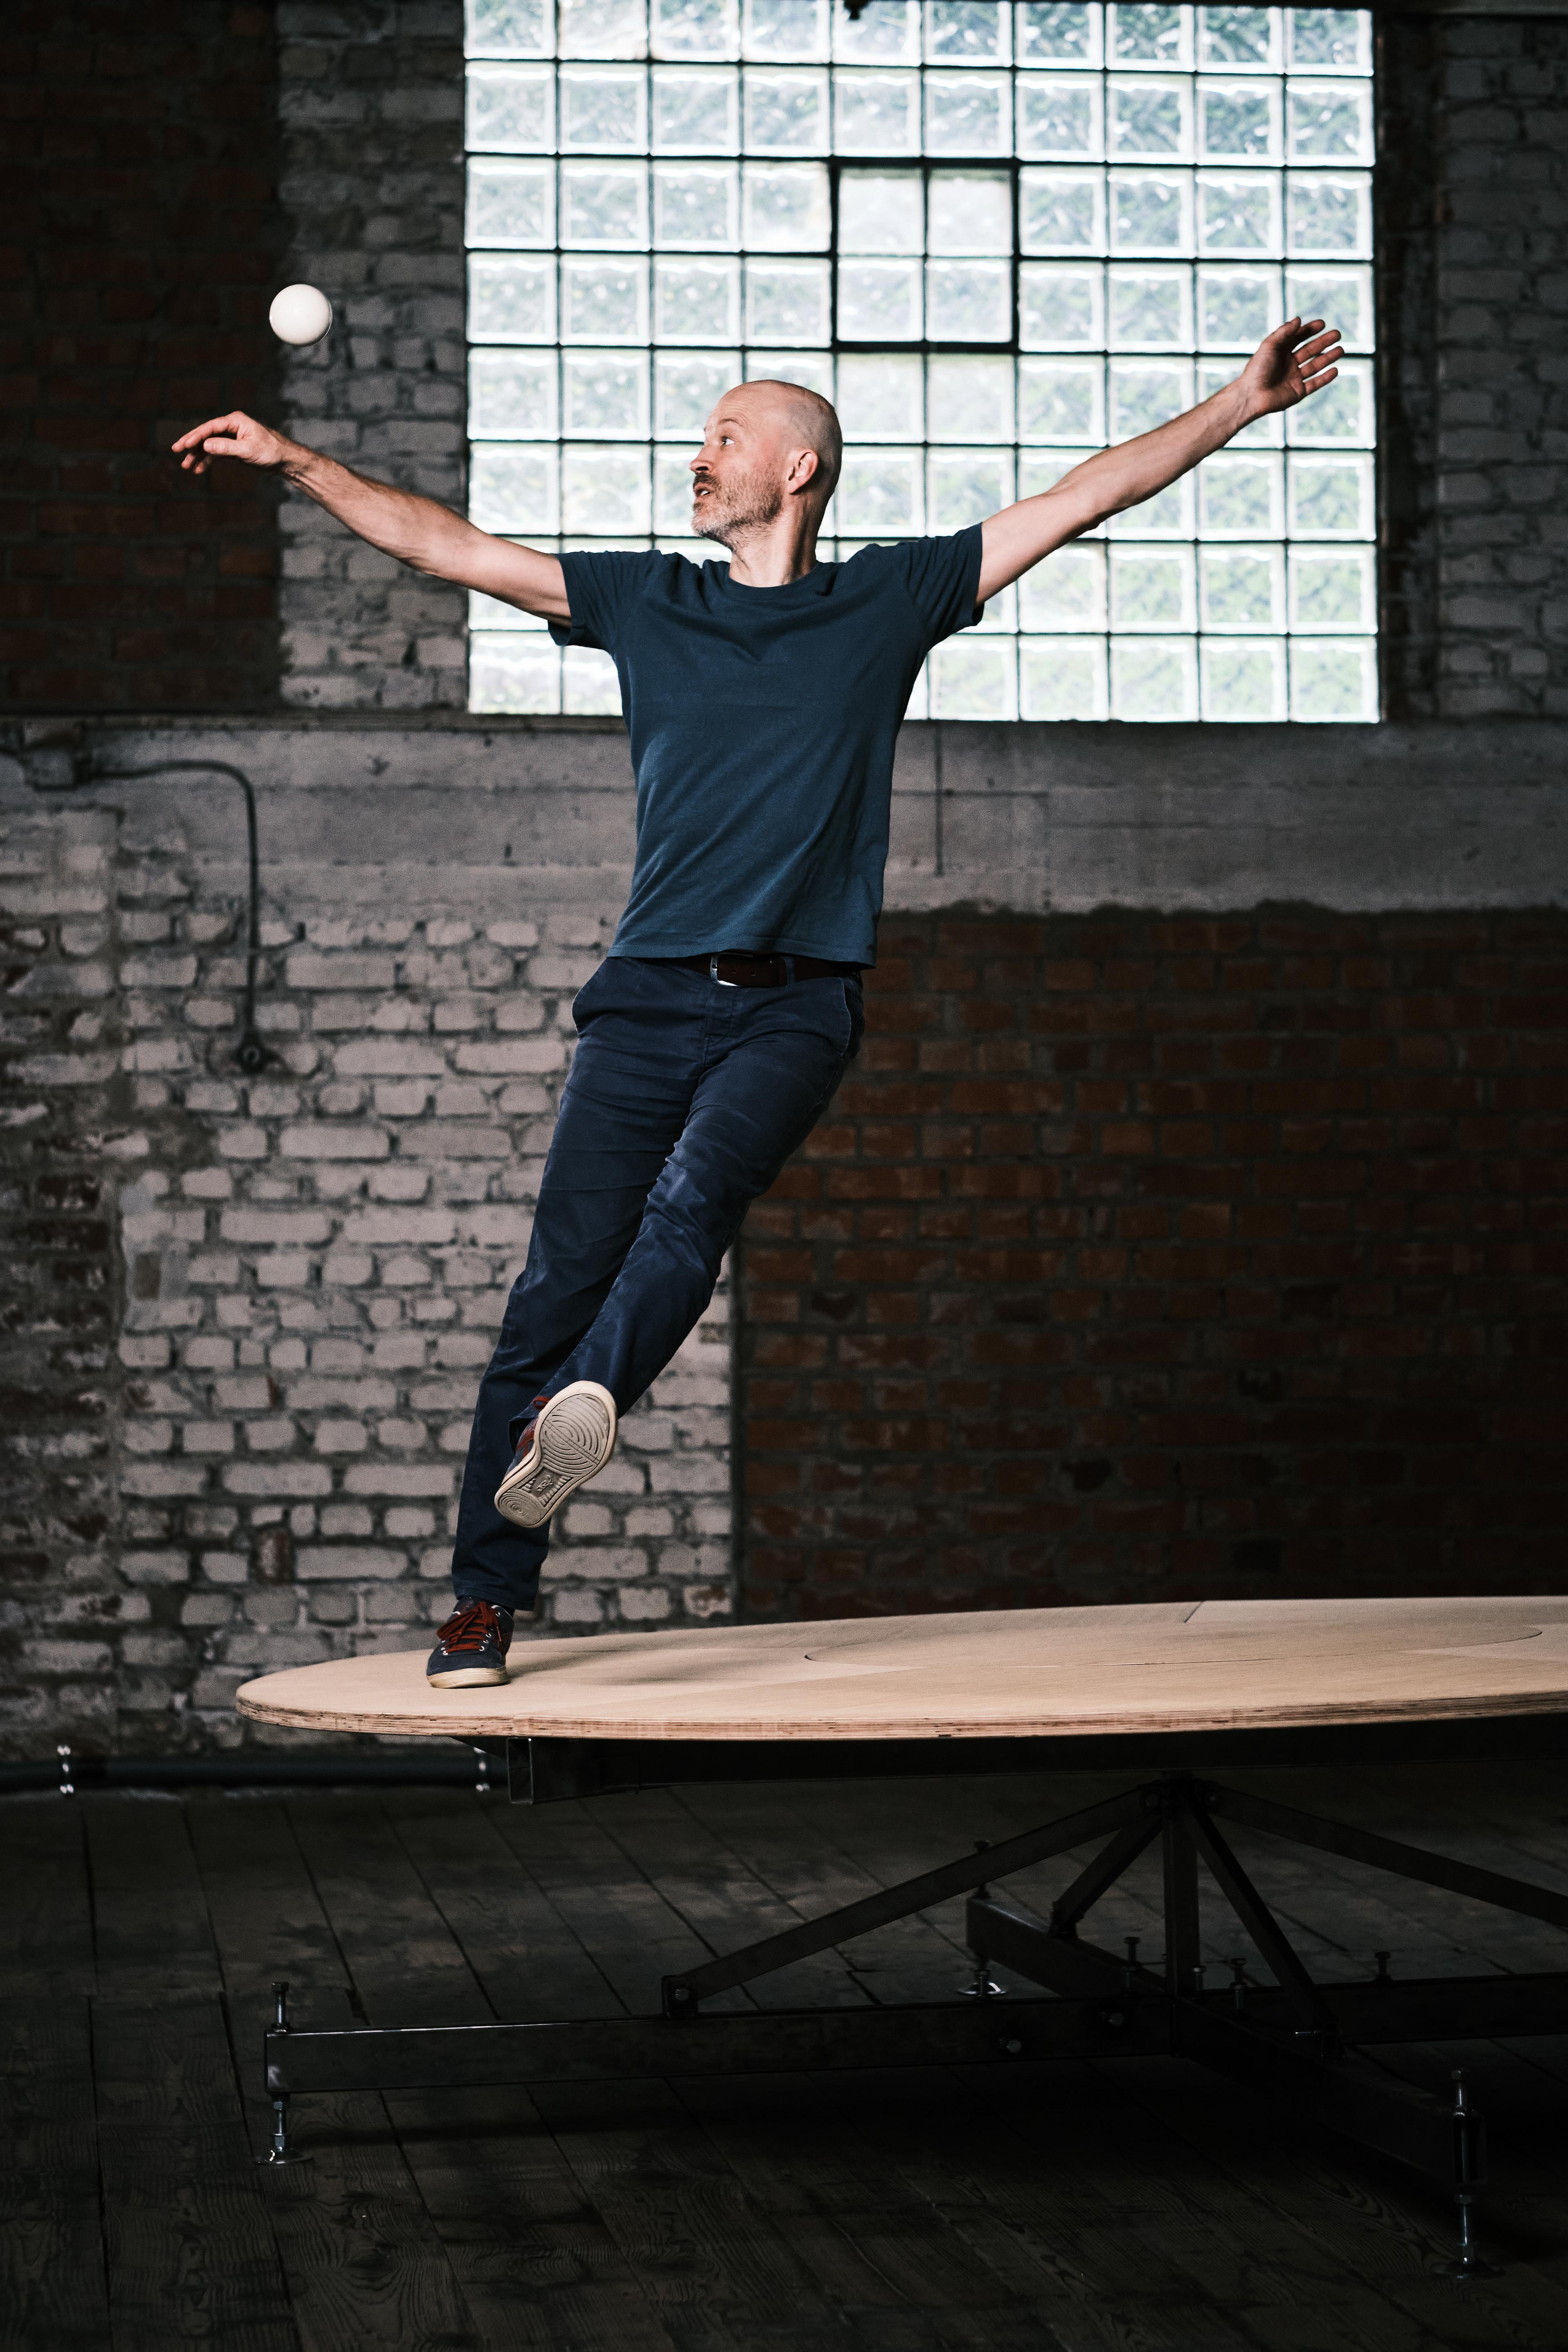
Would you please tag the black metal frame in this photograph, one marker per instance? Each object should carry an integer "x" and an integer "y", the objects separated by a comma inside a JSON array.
[
  {"x": 1296, "y": 2038},
  {"x": 1004, "y": 347}
]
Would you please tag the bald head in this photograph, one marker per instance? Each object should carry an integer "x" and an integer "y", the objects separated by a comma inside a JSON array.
[
  {"x": 805, "y": 419},
  {"x": 769, "y": 450}
]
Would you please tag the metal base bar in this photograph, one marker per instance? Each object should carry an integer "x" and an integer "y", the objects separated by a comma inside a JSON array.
[
  {"x": 761, "y": 2042},
  {"x": 1338, "y": 2090}
]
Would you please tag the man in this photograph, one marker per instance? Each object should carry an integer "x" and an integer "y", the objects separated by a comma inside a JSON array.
[{"x": 763, "y": 700}]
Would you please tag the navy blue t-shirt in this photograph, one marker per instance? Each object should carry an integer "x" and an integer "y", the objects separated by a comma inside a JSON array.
[{"x": 762, "y": 722}]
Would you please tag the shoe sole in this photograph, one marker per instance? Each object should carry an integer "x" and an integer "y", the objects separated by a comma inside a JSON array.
[
  {"x": 466, "y": 1677},
  {"x": 574, "y": 1438}
]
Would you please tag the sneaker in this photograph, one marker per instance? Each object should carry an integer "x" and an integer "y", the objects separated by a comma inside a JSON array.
[
  {"x": 470, "y": 1647},
  {"x": 570, "y": 1443}
]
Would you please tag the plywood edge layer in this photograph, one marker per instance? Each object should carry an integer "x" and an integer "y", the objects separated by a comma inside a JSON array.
[{"x": 487, "y": 1724}]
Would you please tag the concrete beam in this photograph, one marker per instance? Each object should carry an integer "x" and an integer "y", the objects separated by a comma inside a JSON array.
[{"x": 1028, "y": 818}]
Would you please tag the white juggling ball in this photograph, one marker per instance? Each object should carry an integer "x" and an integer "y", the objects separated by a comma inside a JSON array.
[{"x": 300, "y": 314}]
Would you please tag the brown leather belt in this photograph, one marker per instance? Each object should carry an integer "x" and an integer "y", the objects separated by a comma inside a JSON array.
[{"x": 735, "y": 967}]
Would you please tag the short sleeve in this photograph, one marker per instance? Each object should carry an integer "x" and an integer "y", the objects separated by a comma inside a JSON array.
[
  {"x": 600, "y": 590},
  {"x": 941, "y": 577}
]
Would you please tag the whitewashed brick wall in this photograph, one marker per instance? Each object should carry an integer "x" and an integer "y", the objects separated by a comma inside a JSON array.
[{"x": 311, "y": 1267}]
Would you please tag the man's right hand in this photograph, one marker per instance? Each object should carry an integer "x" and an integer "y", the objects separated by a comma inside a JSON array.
[
  {"x": 234, "y": 436},
  {"x": 415, "y": 529}
]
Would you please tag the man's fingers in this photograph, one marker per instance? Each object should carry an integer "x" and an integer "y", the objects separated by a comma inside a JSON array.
[
  {"x": 1317, "y": 382},
  {"x": 1322, "y": 360},
  {"x": 200, "y": 432},
  {"x": 196, "y": 450},
  {"x": 196, "y": 460}
]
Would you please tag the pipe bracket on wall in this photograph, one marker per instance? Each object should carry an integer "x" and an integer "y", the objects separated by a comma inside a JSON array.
[{"x": 252, "y": 1053}]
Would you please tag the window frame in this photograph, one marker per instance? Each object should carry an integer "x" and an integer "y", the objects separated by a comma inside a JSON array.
[{"x": 1278, "y": 632}]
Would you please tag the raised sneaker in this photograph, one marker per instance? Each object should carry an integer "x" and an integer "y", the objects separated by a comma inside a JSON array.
[
  {"x": 570, "y": 1443},
  {"x": 471, "y": 1646}
]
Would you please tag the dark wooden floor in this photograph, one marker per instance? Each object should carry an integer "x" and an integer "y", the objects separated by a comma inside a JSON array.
[{"x": 1136, "y": 2205}]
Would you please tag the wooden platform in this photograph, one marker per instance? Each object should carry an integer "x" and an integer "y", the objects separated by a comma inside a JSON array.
[
  {"x": 1168, "y": 1666},
  {"x": 1134, "y": 2204}
]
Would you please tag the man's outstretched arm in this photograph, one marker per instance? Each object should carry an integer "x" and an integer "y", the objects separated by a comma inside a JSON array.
[
  {"x": 418, "y": 532},
  {"x": 1296, "y": 360}
]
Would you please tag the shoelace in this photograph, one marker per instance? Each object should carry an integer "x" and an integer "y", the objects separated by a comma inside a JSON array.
[
  {"x": 465, "y": 1627},
  {"x": 525, "y": 1435}
]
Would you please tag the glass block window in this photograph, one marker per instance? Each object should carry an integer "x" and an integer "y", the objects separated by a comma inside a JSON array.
[{"x": 997, "y": 235}]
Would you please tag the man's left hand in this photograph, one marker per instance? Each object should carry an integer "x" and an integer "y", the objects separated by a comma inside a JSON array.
[{"x": 1296, "y": 360}]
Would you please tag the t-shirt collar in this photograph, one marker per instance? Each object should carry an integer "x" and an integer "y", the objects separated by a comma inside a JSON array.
[{"x": 814, "y": 582}]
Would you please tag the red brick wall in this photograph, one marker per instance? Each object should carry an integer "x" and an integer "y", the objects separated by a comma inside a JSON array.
[
  {"x": 140, "y": 244},
  {"x": 1142, "y": 1258}
]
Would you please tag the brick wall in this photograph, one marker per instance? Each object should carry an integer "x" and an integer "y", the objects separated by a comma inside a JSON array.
[
  {"x": 58, "y": 1278},
  {"x": 1144, "y": 1257},
  {"x": 242, "y": 1320},
  {"x": 372, "y": 130},
  {"x": 1503, "y": 407},
  {"x": 138, "y": 246},
  {"x": 1474, "y": 230}
]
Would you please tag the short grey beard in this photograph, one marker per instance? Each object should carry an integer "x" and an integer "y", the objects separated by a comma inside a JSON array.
[{"x": 729, "y": 528}]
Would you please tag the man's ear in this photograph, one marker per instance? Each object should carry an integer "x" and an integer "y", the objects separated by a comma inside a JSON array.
[{"x": 804, "y": 467}]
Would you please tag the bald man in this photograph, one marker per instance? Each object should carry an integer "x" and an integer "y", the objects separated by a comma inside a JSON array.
[{"x": 762, "y": 699}]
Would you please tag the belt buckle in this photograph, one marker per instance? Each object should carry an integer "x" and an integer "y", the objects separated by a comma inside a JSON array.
[{"x": 782, "y": 960}]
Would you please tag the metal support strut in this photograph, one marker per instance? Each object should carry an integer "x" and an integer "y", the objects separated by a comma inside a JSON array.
[{"x": 1469, "y": 2179}]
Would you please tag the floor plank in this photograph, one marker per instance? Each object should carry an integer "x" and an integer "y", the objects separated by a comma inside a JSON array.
[
  {"x": 636, "y": 1935},
  {"x": 536, "y": 2262},
  {"x": 519, "y": 1948},
  {"x": 266, "y": 1916},
  {"x": 151, "y": 1925},
  {"x": 190, "y": 2250},
  {"x": 891, "y": 2269},
  {"x": 365, "y": 2266},
  {"x": 1072, "y": 2207},
  {"x": 715, "y": 2271},
  {"x": 46, "y": 1920},
  {"x": 724, "y": 1898},
  {"x": 538, "y": 2265},
  {"x": 404, "y": 1962},
  {"x": 52, "y": 2286}
]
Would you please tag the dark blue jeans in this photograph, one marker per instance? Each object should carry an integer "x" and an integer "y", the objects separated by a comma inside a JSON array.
[{"x": 683, "y": 1103}]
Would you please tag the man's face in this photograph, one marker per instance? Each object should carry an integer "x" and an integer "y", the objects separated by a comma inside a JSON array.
[{"x": 738, "y": 474}]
